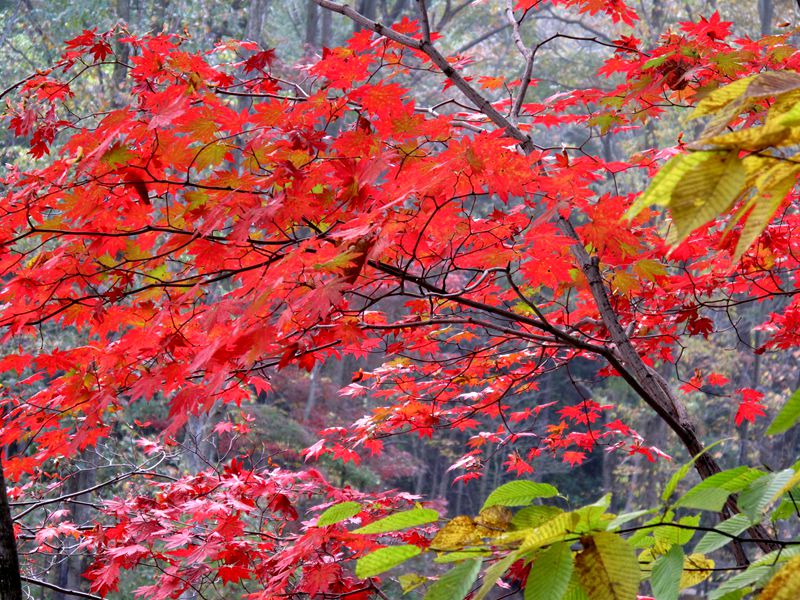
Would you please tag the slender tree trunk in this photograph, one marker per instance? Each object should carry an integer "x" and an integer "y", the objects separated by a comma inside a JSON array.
[
  {"x": 326, "y": 36},
  {"x": 10, "y": 583},
  {"x": 312, "y": 26},
  {"x": 766, "y": 14}
]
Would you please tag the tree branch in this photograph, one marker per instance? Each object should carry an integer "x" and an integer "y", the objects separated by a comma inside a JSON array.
[{"x": 57, "y": 588}]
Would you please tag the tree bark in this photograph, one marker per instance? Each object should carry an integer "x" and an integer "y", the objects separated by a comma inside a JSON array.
[{"x": 10, "y": 583}]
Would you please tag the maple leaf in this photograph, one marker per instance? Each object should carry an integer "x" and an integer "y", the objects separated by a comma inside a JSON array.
[
  {"x": 574, "y": 458},
  {"x": 234, "y": 573},
  {"x": 748, "y": 411},
  {"x": 516, "y": 464},
  {"x": 318, "y": 578}
]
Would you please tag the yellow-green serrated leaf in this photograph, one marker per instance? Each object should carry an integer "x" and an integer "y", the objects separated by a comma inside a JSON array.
[
  {"x": 711, "y": 493},
  {"x": 519, "y": 493},
  {"x": 721, "y": 97},
  {"x": 659, "y": 192},
  {"x": 681, "y": 473},
  {"x": 410, "y": 581},
  {"x": 456, "y": 583},
  {"x": 677, "y": 535},
  {"x": 459, "y": 555},
  {"x": 785, "y": 584},
  {"x": 531, "y": 516},
  {"x": 742, "y": 581},
  {"x": 593, "y": 517},
  {"x": 713, "y": 541},
  {"x": 384, "y": 559},
  {"x": 666, "y": 575},
  {"x": 608, "y": 568},
  {"x": 767, "y": 201},
  {"x": 550, "y": 532},
  {"x": 753, "y": 138},
  {"x": 763, "y": 492},
  {"x": 401, "y": 520},
  {"x": 338, "y": 513},
  {"x": 696, "y": 568},
  {"x": 494, "y": 573},
  {"x": 787, "y": 416},
  {"x": 550, "y": 574},
  {"x": 706, "y": 192},
  {"x": 791, "y": 118},
  {"x": 620, "y": 520}
]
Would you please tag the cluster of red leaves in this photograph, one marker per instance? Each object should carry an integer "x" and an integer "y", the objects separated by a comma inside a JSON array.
[
  {"x": 191, "y": 244},
  {"x": 236, "y": 526}
]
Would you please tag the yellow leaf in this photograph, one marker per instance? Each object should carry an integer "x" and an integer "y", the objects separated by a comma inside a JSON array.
[
  {"x": 754, "y": 138},
  {"x": 696, "y": 568},
  {"x": 721, "y": 97},
  {"x": 777, "y": 183},
  {"x": 623, "y": 283},
  {"x": 459, "y": 532},
  {"x": 210, "y": 156},
  {"x": 494, "y": 520},
  {"x": 608, "y": 568},
  {"x": 410, "y": 581},
  {"x": 649, "y": 269},
  {"x": 659, "y": 192},
  {"x": 785, "y": 585},
  {"x": 705, "y": 192},
  {"x": 549, "y": 532}
]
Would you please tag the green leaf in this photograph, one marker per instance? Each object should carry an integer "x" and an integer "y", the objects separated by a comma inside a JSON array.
[
  {"x": 608, "y": 567},
  {"x": 760, "y": 494},
  {"x": 666, "y": 576},
  {"x": 681, "y": 473},
  {"x": 711, "y": 493},
  {"x": 788, "y": 415},
  {"x": 338, "y": 513},
  {"x": 410, "y": 581},
  {"x": 620, "y": 520},
  {"x": 384, "y": 559},
  {"x": 459, "y": 555},
  {"x": 531, "y": 516},
  {"x": 456, "y": 583},
  {"x": 552, "y": 531},
  {"x": 593, "y": 517},
  {"x": 494, "y": 573},
  {"x": 655, "y": 62},
  {"x": 741, "y": 581},
  {"x": 677, "y": 535},
  {"x": 401, "y": 520},
  {"x": 713, "y": 541},
  {"x": 519, "y": 493},
  {"x": 550, "y": 574}
]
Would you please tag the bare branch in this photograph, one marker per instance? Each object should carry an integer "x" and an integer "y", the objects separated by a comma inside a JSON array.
[
  {"x": 57, "y": 588},
  {"x": 423, "y": 18}
]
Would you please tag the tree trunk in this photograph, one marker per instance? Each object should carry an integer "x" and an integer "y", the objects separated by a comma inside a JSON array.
[
  {"x": 766, "y": 14},
  {"x": 10, "y": 583}
]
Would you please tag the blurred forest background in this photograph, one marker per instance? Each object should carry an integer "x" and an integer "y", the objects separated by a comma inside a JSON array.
[{"x": 287, "y": 421}]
